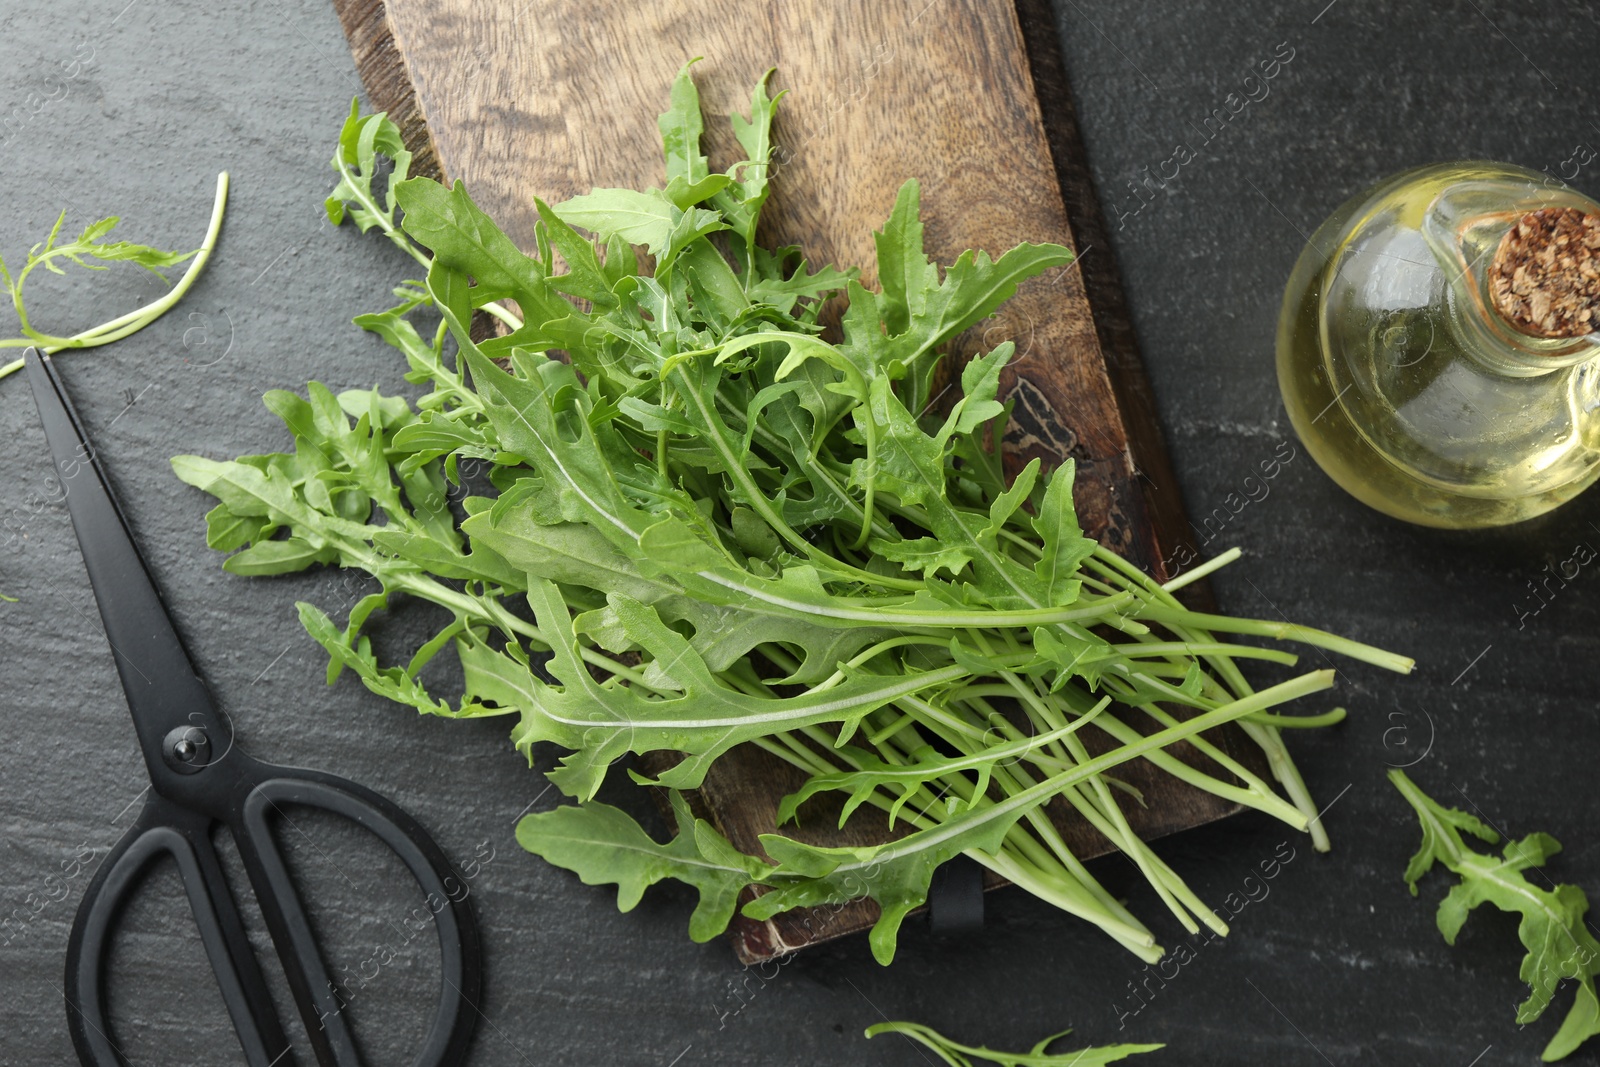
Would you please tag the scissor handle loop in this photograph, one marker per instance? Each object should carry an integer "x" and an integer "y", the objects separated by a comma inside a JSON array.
[
  {"x": 164, "y": 829},
  {"x": 459, "y": 954}
]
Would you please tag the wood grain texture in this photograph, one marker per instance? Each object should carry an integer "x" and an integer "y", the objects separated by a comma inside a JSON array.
[{"x": 554, "y": 97}]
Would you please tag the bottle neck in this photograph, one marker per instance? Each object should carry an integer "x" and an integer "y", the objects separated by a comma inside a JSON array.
[{"x": 1464, "y": 226}]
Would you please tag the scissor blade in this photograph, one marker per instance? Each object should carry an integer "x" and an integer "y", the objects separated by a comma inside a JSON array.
[{"x": 163, "y": 691}]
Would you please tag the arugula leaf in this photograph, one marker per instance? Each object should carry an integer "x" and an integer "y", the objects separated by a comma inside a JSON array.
[
  {"x": 650, "y": 219},
  {"x": 603, "y": 844},
  {"x": 681, "y": 127},
  {"x": 585, "y": 278},
  {"x": 916, "y": 311},
  {"x": 459, "y": 234},
  {"x": 928, "y": 555},
  {"x": 1552, "y": 927},
  {"x": 357, "y": 196},
  {"x": 1064, "y": 548},
  {"x": 781, "y": 292},
  {"x": 742, "y": 202},
  {"x": 348, "y": 649},
  {"x": 958, "y": 1055}
]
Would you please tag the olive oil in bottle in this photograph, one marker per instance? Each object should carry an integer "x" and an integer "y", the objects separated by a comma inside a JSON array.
[{"x": 1434, "y": 347}]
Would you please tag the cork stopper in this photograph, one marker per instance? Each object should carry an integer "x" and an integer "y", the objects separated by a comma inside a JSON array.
[{"x": 1545, "y": 278}]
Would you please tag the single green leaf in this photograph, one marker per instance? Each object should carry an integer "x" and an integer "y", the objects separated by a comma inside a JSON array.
[
  {"x": 782, "y": 292},
  {"x": 926, "y": 555},
  {"x": 1007, "y": 503},
  {"x": 357, "y": 196},
  {"x": 347, "y": 649},
  {"x": 713, "y": 287},
  {"x": 278, "y": 557},
  {"x": 686, "y": 194},
  {"x": 905, "y": 273},
  {"x": 980, "y": 381},
  {"x": 648, "y": 219},
  {"x": 226, "y": 531},
  {"x": 585, "y": 278},
  {"x": 439, "y": 558},
  {"x": 436, "y": 436},
  {"x": 1552, "y": 927},
  {"x": 755, "y": 537},
  {"x": 681, "y": 127},
  {"x": 958, "y": 1055},
  {"x": 742, "y": 201},
  {"x": 604, "y": 845},
  {"x": 463, "y": 238},
  {"x": 1065, "y": 547}
]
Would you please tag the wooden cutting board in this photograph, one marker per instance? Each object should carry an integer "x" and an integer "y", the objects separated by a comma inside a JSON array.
[{"x": 519, "y": 98}]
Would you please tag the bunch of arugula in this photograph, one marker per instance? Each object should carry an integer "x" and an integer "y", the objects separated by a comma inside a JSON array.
[
  {"x": 706, "y": 525},
  {"x": 1552, "y": 926}
]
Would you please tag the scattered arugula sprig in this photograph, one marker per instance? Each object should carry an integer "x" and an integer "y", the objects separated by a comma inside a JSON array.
[
  {"x": 92, "y": 250},
  {"x": 698, "y": 522},
  {"x": 958, "y": 1055},
  {"x": 1552, "y": 929}
]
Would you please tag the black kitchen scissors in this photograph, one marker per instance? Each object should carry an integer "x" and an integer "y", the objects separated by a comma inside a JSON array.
[{"x": 200, "y": 782}]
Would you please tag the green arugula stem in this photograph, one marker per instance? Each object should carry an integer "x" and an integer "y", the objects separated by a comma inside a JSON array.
[
  {"x": 1209, "y": 567},
  {"x": 1268, "y": 739},
  {"x": 1281, "y": 631},
  {"x": 1092, "y": 800},
  {"x": 1135, "y": 938},
  {"x": 1038, "y": 869},
  {"x": 123, "y": 325},
  {"x": 870, "y": 436}
]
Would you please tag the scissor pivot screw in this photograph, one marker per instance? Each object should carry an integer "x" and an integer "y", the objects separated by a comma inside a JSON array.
[{"x": 187, "y": 749}]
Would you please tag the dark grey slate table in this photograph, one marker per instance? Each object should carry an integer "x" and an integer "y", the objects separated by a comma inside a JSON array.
[{"x": 133, "y": 109}]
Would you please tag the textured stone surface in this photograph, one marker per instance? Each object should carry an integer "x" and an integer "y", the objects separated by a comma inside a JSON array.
[{"x": 1337, "y": 964}]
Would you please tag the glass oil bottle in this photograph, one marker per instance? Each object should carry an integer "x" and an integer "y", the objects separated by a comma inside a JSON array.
[{"x": 1405, "y": 367}]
